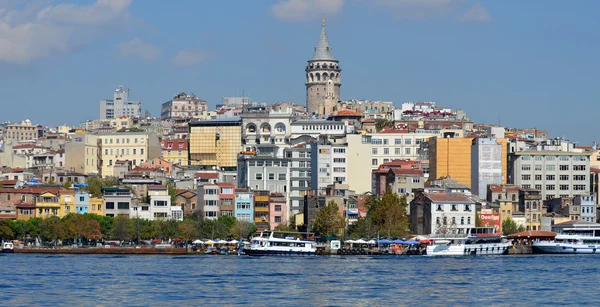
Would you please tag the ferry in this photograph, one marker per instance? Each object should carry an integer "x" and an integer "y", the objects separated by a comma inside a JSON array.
[
  {"x": 476, "y": 241},
  {"x": 277, "y": 243},
  {"x": 8, "y": 247},
  {"x": 573, "y": 237}
]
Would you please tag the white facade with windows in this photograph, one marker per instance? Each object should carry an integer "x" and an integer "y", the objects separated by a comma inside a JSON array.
[
  {"x": 452, "y": 217},
  {"x": 389, "y": 146},
  {"x": 329, "y": 165},
  {"x": 120, "y": 105},
  {"x": 587, "y": 203}
]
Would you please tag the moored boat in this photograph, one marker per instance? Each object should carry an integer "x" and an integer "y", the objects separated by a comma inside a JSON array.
[
  {"x": 477, "y": 241},
  {"x": 574, "y": 237},
  {"x": 275, "y": 243},
  {"x": 8, "y": 247}
]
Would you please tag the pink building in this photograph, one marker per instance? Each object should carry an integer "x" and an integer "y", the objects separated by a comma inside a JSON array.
[{"x": 277, "y": 210}]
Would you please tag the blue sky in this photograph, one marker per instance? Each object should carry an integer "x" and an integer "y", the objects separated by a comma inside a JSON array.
[{"x": 523, "y": 63}]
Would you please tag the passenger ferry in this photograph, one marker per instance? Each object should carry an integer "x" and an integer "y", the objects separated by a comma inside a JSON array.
[
  {"x": 277, "y": 243},
  {"x": 477, "y": 241},
  {"x": 8, "y": 247},
  {"x": 574, "y": 237}
]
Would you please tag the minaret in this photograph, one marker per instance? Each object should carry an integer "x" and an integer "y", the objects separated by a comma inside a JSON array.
[{"x": 323, "y": 67}]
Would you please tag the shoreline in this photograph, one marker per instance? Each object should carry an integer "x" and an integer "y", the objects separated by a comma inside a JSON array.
[{"x": 104, "y": 251}]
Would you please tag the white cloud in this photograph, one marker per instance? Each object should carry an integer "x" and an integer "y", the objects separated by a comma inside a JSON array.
[
  {"x": 477, "y": 14},
  {"x": 136, "y": 48},
  {"x": 35, "y": 32},
  {"x": 190, "y": 57},
  {"x": 416, "y": 9},
  {"x": 302, "y": 10}
]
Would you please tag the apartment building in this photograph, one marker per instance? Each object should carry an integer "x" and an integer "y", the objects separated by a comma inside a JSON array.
[
  {"x": 175, "y": 151},
  {"x": 117, "y": 201},
  {"x": 263, "y": 170},
  {"x": 450, "y": 157},
  {"x": 263, "y": 124},
  {"x": 215, "y": 143},
  {"x": 244, "y": 205},
  {"x": 208, "y": 200},
  {"x": 488, "y": 164},
  {"x": 277, "y": 210},
  {"x": 120, "y": 105},
  {"x": 397, "y": 144},
  {"x": 587, "y": 206},
  {"x": 226, "y": 199},
  {"x": 441, "y": 213},
  {"x": 299, "y": 157},
  {"x": 134, "y": 147},
  {"x": 328, "y": 164},
  {"x": 81, "y": 153},
  {"x": 185, "y": 106},
  {"x": 23, "y": 131},
  {"x": 531, "y": 205},
  {"x": 261, "y": 209}
]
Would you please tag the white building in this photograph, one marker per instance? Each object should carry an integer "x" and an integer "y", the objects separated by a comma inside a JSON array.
[
  {"x": 395, "y": 144},
  {"x": 316, "y": 127},
  {"x": 441, "y": 213},
  {"x": 486, "y": 165},
  {"x": 329, "y": 165},
  {"x": 588, "y": 207},
  {"x": 120, "y": 105}
]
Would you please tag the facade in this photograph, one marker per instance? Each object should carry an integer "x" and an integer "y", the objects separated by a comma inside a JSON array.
[
  {"x": 160, "y": 202},
  {"x": 263, "y": 172},
  {"x": 120, "y": 106},
  {"x": 82, "y": 202},
  {"x": 450, "y": 157},
  {"x": 186, "y": 199},
  {"x": 97, "y": 205},
  {"x": 395, "y": 144},
  {"x": 441, "y": 213},
  {"x": 235, "y": 101},
  {"x": 226, "y": 199},
  {"x": 25, "y": 211},
  {"x": 175, "y": 151},
  {"x": 299, "y": 157},
  {"x": 215, "y": 143},
  {"x": 323, "y": 80},
  {"x": 244, "y": 205},
  {"x": 24, "y": 131},
  {"x": 55, "y": 204},
  {"x": 117, "y": 201},
  {"x": 405, "y": 182},
  {"x": 328, "y": 165},
  {"x": 135, "y": 147},
  {"x": 314, "y": 128},
  {"x": 266, "y": 125},
  {"x": 277, "y": 210},
  {"x": 587, "y": 205},
  {"x": 556, "y": 172},
  {"x": 530, "y": 203},
  {"x": 185, "y": 106},
  {"x": 358, "y": 151},
  {"x": 261, "y": 209},
  {"x": 208, "y": 200},
  {"x": 488, "y": 164}
]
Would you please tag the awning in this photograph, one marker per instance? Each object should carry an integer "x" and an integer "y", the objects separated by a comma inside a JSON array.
[
  {"x": 350, "y": 241},
  {"x": 371, "y": 242},
  {"x": 234, "y": 241},
  {"x": 197, "y": 242},
  {"x": 210, "y": 242},
  {"x": 398, "y": 241},
  {"x": 360, "y": 241},
  {"x": 411, "y": 242},
  {"x": 384, "y": 241}
]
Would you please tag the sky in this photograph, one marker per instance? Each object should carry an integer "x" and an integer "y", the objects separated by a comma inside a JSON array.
[{"x": 516, "y": 63}]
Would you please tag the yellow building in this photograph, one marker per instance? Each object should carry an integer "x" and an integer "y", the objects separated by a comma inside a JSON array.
[
  {"x": 96, "y": 205},
  {"x": 506, "y": 209},
  {"x": 450, "y": 157},
  {"x": 215, "y": 142},
  {"x": 123, "y": 122},
  {"x": 81, "y": 153},
  {"x": 175, "y": 151},
  {"x": 135, "y": 147},
  {"x": 55, "y": 204}
]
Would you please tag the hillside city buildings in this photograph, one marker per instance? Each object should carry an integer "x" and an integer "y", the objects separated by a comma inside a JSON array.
[{"x": 276, "y": 164}]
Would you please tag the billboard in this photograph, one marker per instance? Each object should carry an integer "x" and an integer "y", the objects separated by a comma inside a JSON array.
[{"x": 492, "y": 220}]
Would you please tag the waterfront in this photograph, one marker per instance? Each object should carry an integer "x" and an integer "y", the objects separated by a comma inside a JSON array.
[{"x": 105, "y": 280}]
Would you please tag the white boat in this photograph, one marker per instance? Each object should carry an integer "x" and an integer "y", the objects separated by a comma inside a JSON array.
[
  {"x": 8, "y": 247},
  {"x": 574, "y": 237},
  {"x": 274, "y": 243},
  {"x": 478, "y": 241}
]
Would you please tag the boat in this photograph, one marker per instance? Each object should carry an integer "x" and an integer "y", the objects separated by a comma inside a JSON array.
[
  {"x": 573, "y": 237},
  {"x": 8, "y": 247},
  {"x": 277, "y": 243},
  {"x": 211, "y": 251},
  {"x": 476, "y": 241}
]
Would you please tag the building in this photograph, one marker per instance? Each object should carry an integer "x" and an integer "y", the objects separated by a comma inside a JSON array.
[
  {"x": 404, "y": 182},
  {"x": 261, "y": 209},
  {"x": 304, "y": 129},
  {"x": 397, "y": 144},
  {"x": 117, "y": 201},
  {"x": 441, "y": 213},
  {"x": 299, "y": 157},
  {"x": 215, "y": 143},
  {"x": 450, "y": 157},
  {"x": 263, "y": 170},
  {"x": 135, "y": 147},
  {"x": 323, "y": 80},
  {"x": 185, "y": 106},
  {"x": 186, "y": 199},
  {"x": 277, "y": 210},
  {"x": 175, "y": 151},
  {"x": 208, "y": 200},
  {"x": 120, "y": 105},
  {"x": 24, "y": 131},
  {"x": 328, "y": 164},
  {"x": 530, "y": 203},
  {"x": 266, "y": 125},
  {"x": 235, "y": 101},
  {"x": 488, "y": 164},
  {"x": 82, "y": 202},
  {"x": 587, "y": 205},
  {"x": 55, "y": 204},
  {"x": 97, "y": 205},
  {"x": 358, "y": 151},
  {"x": 244, "y": 205},
  {"x": 226, "y": 199},
  {"x": 25, "y": 211},
  {"x": 553, "y": 167}
]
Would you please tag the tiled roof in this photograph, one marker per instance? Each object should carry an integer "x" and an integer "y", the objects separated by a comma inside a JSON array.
[
  {"x": 207, "y": 175},
  {"x": 595, "y": 170},
  {"x": 495, "y": 188},
  {"x": 392, "y": 130},
  {"x": 8, "y": 182},
  {"x": 368, "y": 120},
  {"x": 406, "y": 171},
  {"x": 348, "y": 113},
  {"x": 157, "y": 187},
  {"x": 226, "y": 185},
  {"x": 448, "y": 197}
]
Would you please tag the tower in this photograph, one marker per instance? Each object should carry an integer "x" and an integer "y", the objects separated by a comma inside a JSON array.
[{"x": 323, "y": 79}]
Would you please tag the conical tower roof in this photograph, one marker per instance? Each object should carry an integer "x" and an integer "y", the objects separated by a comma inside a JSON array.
[{"x": 323, "y": 50}]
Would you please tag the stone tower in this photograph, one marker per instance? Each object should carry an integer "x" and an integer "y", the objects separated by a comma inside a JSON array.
[{"x": 323, "y": 79}]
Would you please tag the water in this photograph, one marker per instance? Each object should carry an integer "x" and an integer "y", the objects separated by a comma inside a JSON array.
[{"x": 107, "y": 280}]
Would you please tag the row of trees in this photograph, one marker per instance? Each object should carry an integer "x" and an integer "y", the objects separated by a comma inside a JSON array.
[
  {"x": 386, "y": 216},
  {"x": 92, "y": 227}
]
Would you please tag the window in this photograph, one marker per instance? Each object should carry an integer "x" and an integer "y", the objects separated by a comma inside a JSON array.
[
  {"x": 538, "y": 187},
  {"x": 258, "y": 176},
  {"x": 271, "y": 176},
  {"x": 210, "y": 214},
  {"x": 210, "y": 192},
  {"x": 439, "y": 208},
  {"x": 416, "y": 180},
  {"x": 160, "y": 203},
  {"x": 374, "y": 151},
  {"x": 579, "y": 177},
  {"x": 398, "y": 141},
  {"x": 81, "y": 198},
  {"x": 339, "y": 150},
  {"x": 526, "y": 177},
  {"x": 550, "y": 177},
  {"x": 453, "y": 208},
  {"x": 386, "y": 151},
  {"x": 385, "y": 141},
  {"x": 110, "y": 205},
  {"x": 397, "y": 151},
  {"x": 339, "y": 160},
  {"x": 538, "y": 177},
  {"x": 550, "y": 187},
  {"x": 407, "y": 151},
  {"x": 278, "y": 219},
  {"x": 374, "y": 162},
  {"x": 563, "y": 167},
  {"x": 339, "y": 169},
  {"x": 579, "y": 167},
  {"x": 281, "y": 176},
  {"x": 278, "y": 208},
  {"x": 99, "y": 207},
  {"x": 243, "y": 206},
  {"x": 564, "y": 158},
  {"x": 550, "y": 167},
  {"x": 467, "y": 207},
  {"x": 526, "y": 167},
  {"x": 538, "y": 168},
  {"x": 563, "y": 187},
  {"x": 210, "y": 203},
  {"x": 93, "y": 207},
  {"x": 376, "y": 141},
  {"x": 564, "y": 177},
  {"x": 462, "y": 220},
  {"x": 141, "y": 151},
  {"x": 123, "y": 205},
  {"x": 407, "y": 141}
]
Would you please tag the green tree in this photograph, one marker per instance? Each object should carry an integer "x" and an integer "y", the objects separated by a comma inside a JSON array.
[
  {"x": 122, "y": 228},
  {"x": 388, "y": 214},
  {"x": 51, "y": 229},
  {"x": 105, "y": 222},
  {"x": 68, "y": 185},
  {"x": 172, "y": 192},
  {"x": 78, "y": 227},
  {"x": 95, "y": 185},
  {"x": 33, "y": 226},
  {"x": 328, "y": 220},
  {"x": 188, "y": 230},
  {"x": 362, "y": 228},
  {"x": 242, "y": 230},
  {"x": 509, "y": 227},
  {"x": 6, "y": 232},
  {"x": 166, "y": 229},
  {"x": 381, "y": 123},
  {"x": 20, "y": 229},
  {"x": 478, "y": 221}
]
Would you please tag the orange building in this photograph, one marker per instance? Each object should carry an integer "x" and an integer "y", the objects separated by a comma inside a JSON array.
[{"x": 450, "y": 157}]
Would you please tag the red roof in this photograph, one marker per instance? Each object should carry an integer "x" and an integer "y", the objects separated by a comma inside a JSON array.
[
  {"x": 368, "y": 120},
  {"x": 348, "y": 113},
  {"x": 392, "y": 130},
  {"x": 226, "y": 185},
  {"x": 157, "y": 187},
  {"x": 207, "y": 175},
  {"x": 595, "y": 170},
  {"x": 175, "y": 144},
  {"x": 8, "y": 182},
  {"x": 406, "y": 171},
  {"x": 495, "y": 188}
]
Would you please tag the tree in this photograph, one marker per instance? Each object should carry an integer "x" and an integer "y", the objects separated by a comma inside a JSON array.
[
  {"x": 242, "y": 229},
  {"x": 122, "y": 228},
  {"x": 509, "y": 227},
  {"x": 6, "y": 232},
  {"x": 188, "y": 230},
  {"x": 478, "y": 221},
  {"x": 95, "y": 185},
  {"x": 78, "y": 227},
  {"x": 166, "y": 229},
  {"x": 328, "y": 220},
  {"x": 361, "y": 229},
  {"x": 20, "y": 229},
  {"x": 388, "y": 213},
  {"x": 105, "y": 222},
  {"x": 52, "y": 229},
  {"x": 381, "y": 123},
  {"x": 172, "y": 193},
  {"x": 68, "y": 185}
]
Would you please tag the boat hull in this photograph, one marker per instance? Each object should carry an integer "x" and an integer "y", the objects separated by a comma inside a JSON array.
[
  {"x": 565, "y": 248},
  {"x": 468, "y": 249},
  {"x": 7, "y": 251},
  {"x": 255, "y": 252}
]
